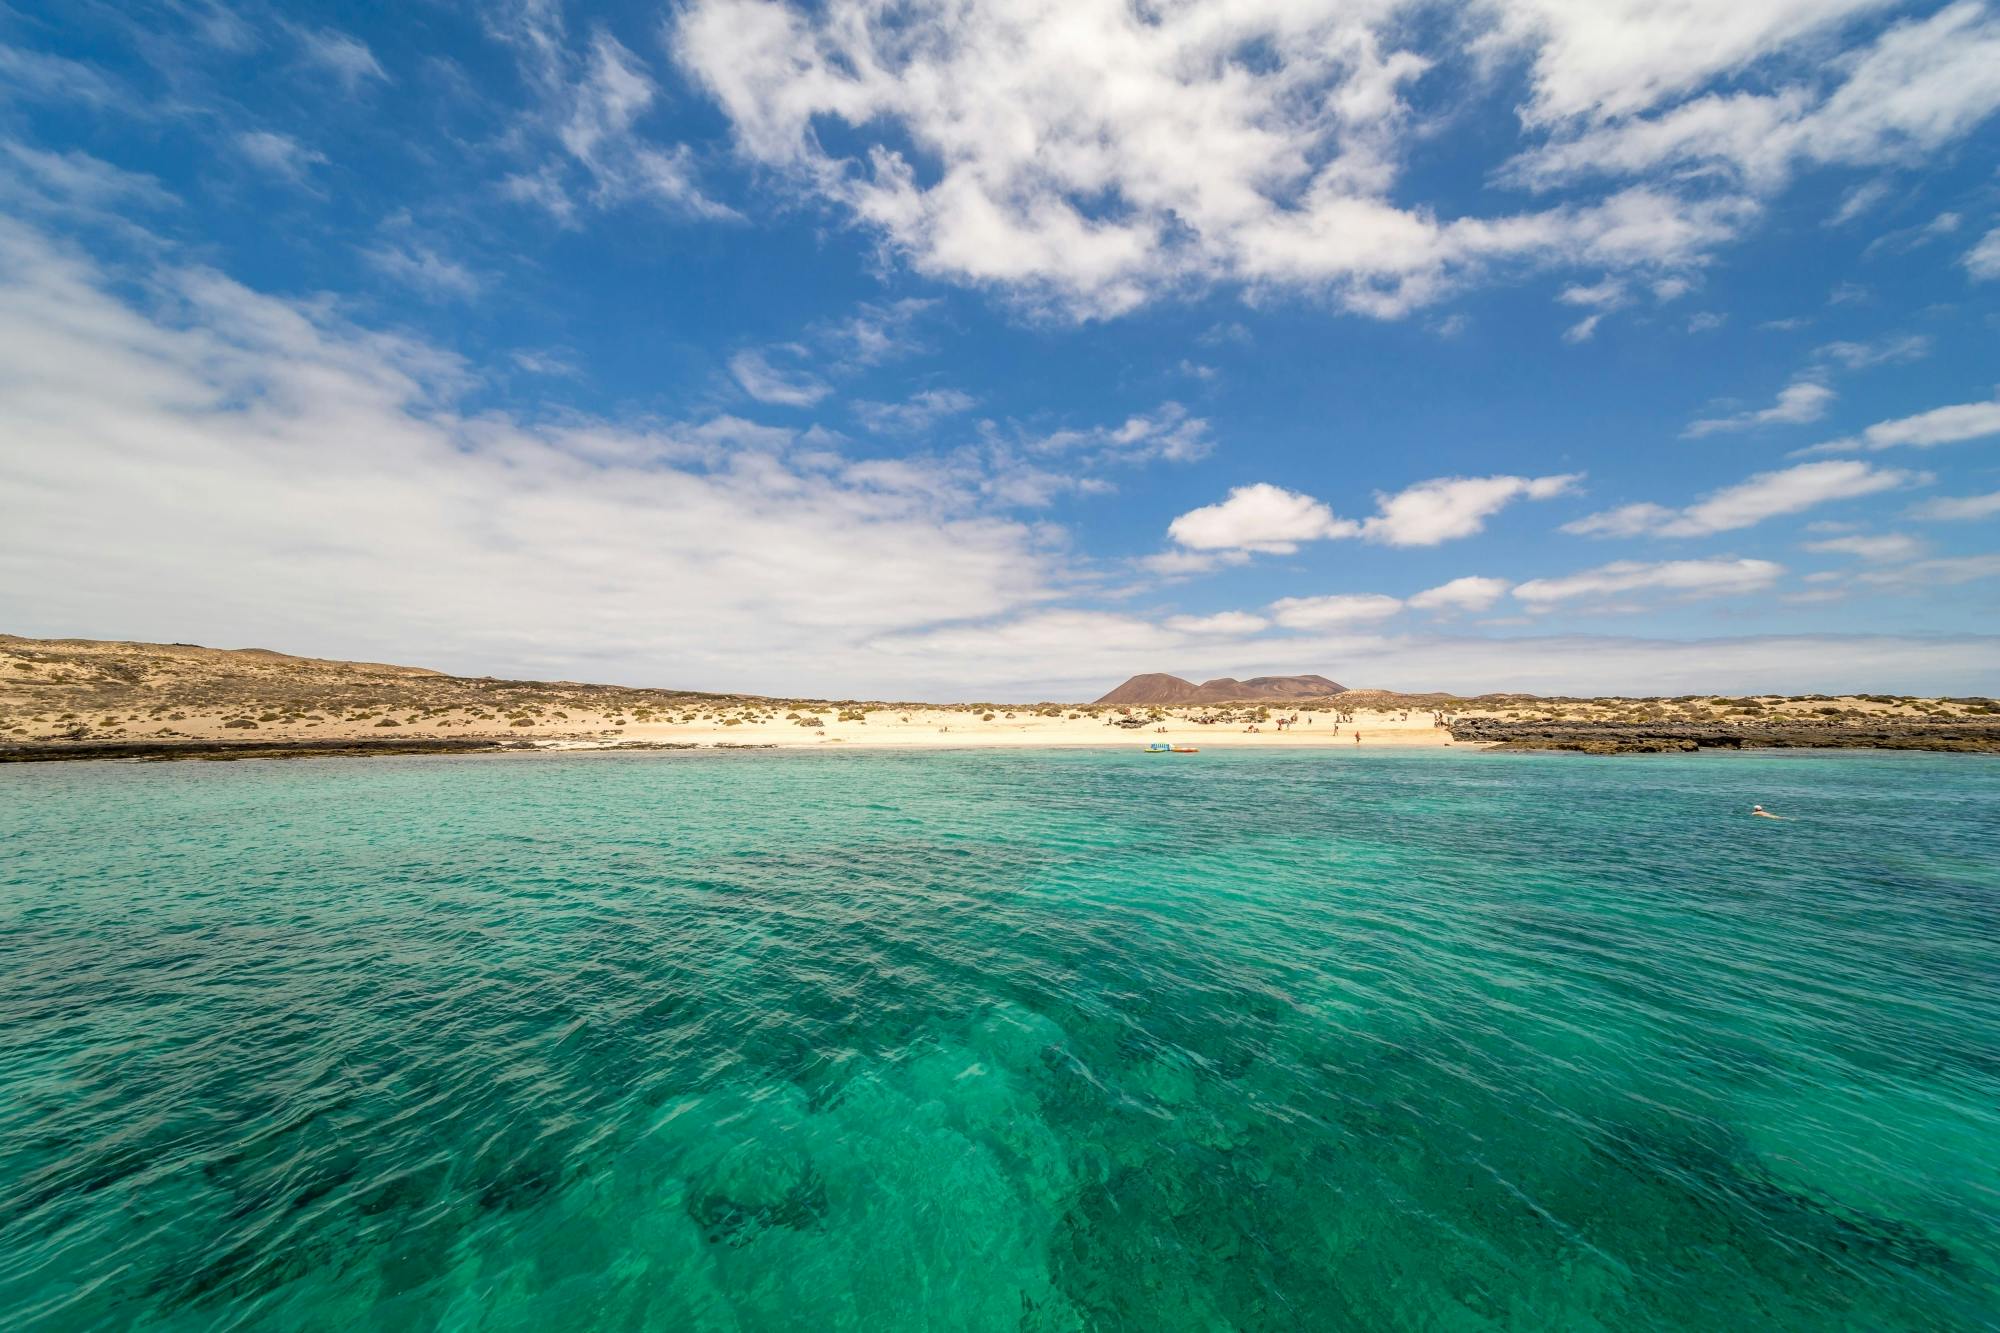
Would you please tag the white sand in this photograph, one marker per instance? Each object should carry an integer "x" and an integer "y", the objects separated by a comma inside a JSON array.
[{"x": 945, "y": 728}]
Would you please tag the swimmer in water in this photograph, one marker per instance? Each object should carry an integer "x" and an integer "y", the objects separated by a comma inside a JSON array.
[{"x": 1761, "y": 813}]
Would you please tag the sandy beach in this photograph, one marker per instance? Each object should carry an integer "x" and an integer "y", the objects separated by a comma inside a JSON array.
[
  {"x": 176, "y": 698},
  {"x": 943, "y": 728}
]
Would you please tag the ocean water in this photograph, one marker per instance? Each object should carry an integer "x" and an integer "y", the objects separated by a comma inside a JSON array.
[{"x": 1001, "y": 1041}]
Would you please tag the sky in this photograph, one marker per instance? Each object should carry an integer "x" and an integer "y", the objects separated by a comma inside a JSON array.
[{"x": 970, "y": 349}]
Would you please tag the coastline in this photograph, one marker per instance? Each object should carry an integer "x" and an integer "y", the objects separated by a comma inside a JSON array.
[
  {"x": 85, "y": 699},
  {"x": 1480, "y": 735}
]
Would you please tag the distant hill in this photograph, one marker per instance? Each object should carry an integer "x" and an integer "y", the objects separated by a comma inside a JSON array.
[{"x": 1156, "y": 689}]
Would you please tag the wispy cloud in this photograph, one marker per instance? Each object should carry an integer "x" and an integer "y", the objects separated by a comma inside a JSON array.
[
  {"x": 915, "y": 414},
  {"x": 347, "y": 58},
  {"x": 591, "y": 104},
  {"x": 1882, "y": 352},
  {"x": 1801, "y": 401},
  {"x": 1694, "y": 578},
  {"x": 1338, "y": 611},
  {"x": 76, "y": 179},
  {"x": 1222, "y": 622},
  {"x": 417, "y": 266},
  {"x": 1958, "y": 508},
  {"x": 1169, "y": 433},
  {"x": 769, "y": 384},
  {"x": 262, "y": 424},
  {"x": 1766, "y": 495},
  {"x": 1471, "y": 593},
  {"x": 1983, "y": 260},
  {"x": 1953, "y": 424},
  {"x": 278, "y": 154},
  {"x": 1885, "y": 546}
]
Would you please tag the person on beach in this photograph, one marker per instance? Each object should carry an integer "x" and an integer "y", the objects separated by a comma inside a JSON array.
[{"x": 1761, "y": 813}]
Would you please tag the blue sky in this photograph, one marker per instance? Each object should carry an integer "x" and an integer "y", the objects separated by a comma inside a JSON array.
[{"x": 1004, "y": 350}]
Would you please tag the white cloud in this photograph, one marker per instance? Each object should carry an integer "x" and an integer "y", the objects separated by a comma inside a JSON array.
[
  {"x": 1882, "y": 546},
  {"x": 1093, "y": 155},
  {"x": 591, "y": 103},
  {"x": 78, "y": 180},
  {"x": 1340, "y": 611},
  {"x": 876, "y": 333},
  {"x": 1983, "y": 259},
  {"x": 1765, "y": 495},
  {"x": 1185, "y": 564},
  {"x": 1451, "y": 507},
  {"x": 1694, "y": 578},
  {"x": 1858, "y": 201},
  {"x": 1583, "y": 330},
  {"x": 419, "y": 266},
  {"x": 1958, "y": 508},
  {"x": 1885, "y": 352},
  {"x": 544, "y": 362},
  {"x": 1706, "y": 321},
  {"x": 768, "y": 384},
  {"x": 1269, "y": 518},
  {"x": 280, "y": 154},
  {"x": 1625, "y": 521},
  {"x": 1078, "y": 655},
  {"x": 170, "y": 466},
  {"x": 1920, "y": 85},
  {"x": 1800, "y": 401},
  {"x": 1471, "y": 593},
  {"x": 917, "y": 413},
  {"x": 1259, "y": 517},
  {"x": 36, "y": 75},
  {"x": 347, "y": 58},
  {"x": 1222, "y": 622},
  {"x": 1940, "y": 425},
  {"x": 1923, "y": 575},
  {"x": 1608, "y": 294},
  {"x": 1169, "y": 433},
  {"x": 1606, "y": 59}
]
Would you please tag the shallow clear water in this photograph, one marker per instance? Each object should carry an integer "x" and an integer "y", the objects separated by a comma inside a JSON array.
[{"x": 994, "y": 1040}]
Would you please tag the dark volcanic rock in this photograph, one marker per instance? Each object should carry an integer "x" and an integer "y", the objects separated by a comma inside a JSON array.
[
  {"x": 1981, "y": 737},
  {"x": 273, "y": 749}
]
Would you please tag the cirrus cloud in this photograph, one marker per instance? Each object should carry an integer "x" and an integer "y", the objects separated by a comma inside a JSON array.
[
  {"x": 1702, "y": 578},
  {"x": 1750, "y": 501}
]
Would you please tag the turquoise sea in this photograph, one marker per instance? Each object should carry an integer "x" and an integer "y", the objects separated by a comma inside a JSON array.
[{"x": 998, "y": 1040}]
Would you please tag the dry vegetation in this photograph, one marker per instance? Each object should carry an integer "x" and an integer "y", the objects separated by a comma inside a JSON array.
[
  {"x": 88, "y": 690},
  {"x": 88, "y": 693}
]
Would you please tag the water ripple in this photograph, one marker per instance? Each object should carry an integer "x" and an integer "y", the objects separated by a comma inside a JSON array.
[{"x": 1002, "y": 1041}]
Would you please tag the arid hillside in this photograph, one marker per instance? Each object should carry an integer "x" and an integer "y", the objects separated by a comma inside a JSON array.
[
  {"x": 1159, "y": 689},
  {"x": 78, "y": 689},
  {"x": 70, "y": 698}
]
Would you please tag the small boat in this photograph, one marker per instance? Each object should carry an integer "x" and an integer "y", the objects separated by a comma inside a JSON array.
[
  {"x": 1187, "y": 749},
  {"x": 1161, "y": 747}
]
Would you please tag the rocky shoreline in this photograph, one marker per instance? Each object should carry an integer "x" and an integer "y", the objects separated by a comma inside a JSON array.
[
  {"x": 1980, "y": 737},
  {"x": 155, "y": 750}
]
